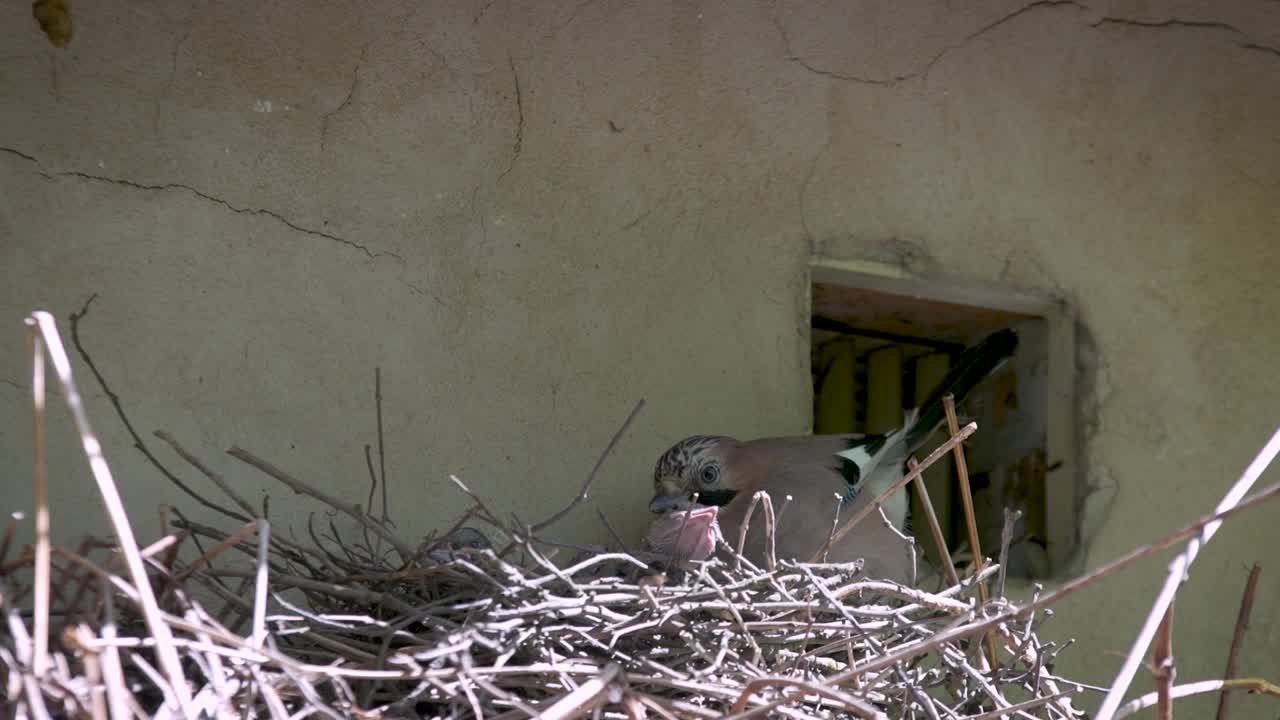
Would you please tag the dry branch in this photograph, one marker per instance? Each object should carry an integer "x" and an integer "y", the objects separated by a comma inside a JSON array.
[
  {"x": 1237, "y": 638},
  {"x": 1178, "y": 574}
]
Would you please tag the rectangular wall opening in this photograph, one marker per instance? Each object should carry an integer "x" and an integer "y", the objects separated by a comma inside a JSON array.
[{"x": 881, "y": 341}]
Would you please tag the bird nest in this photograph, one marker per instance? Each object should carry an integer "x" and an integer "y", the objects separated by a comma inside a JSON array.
[
  {"x": 236, "y": 620},
  {"x": 272, "y": 628}
]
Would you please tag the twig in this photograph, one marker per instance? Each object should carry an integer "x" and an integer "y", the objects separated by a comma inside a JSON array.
[
  {"x": 373, "y": 477},
  {"x": 604, "y": 520},
  {"x": 1253, "y": 685},
  {"x": 344, "y": 507},
  {"x": 1177, "y": 574},
  {"x": 852, "y": 704},
  {"x": 880, "y": 499},
  {"x": 128, "y": 425},
  {"x": 835, "y": 527},
  {"x": 586, "y": 485},
  {"x": 207, "y": 557},
  {"x": 970, "y": 520},
  {"x": 1237, "y": 638},
  {"x": 382, "y": 456},
  {"x": 908, "y": 541},
  {"x": 9, "y": 529},
  {"x": 584, "y": 697},
  {"x": 214, "y": 477},
  {"x": 1069, "y": 588},
  {"x": 260, "y": 589},
  {"x": 40, "y": 661},
  {"x": 112, "y": 671},
  {"x": 115, "y": 509},
  {"x": 940, "y": 542},
  {"x": 1164, "y": 669},
  {"x": 1011, "y": 518}
]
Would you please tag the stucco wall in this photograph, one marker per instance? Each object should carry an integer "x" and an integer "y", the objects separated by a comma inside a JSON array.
[{"x": 532, "y": 214}]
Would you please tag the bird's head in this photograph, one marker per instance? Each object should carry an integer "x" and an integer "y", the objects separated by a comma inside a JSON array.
[
  {"x": 457, "y": 543},
  {"x": 695, "y": 465}
]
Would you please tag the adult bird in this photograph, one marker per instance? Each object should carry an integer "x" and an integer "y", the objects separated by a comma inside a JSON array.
[{"x": 814, "y": 471}]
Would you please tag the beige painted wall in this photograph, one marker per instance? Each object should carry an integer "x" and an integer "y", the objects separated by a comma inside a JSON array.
[{"x": 532, "y": 214}]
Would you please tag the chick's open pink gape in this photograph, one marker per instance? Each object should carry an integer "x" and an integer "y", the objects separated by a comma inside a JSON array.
[{"x": 685, "y": 534}]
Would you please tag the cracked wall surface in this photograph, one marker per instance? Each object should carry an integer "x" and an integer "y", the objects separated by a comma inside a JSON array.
[{"x": 531, "y": 214}]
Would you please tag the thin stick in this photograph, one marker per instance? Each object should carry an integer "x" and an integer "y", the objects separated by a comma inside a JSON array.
[
  {"x": 373, "y": 476},
  {"x": 40, "y": 662},
  {"x": 216, "y": 550},
  {"x": 128, "y": 424},
  {"x": 1011, "y": 518},
  {"x": 835, "y": 526},
  {"x": 112, "y": 671},
  {"x": 9, "y": 529},
  {"x": 382, "y": 455},
  {"x": 962, "y": 470},
  {"x": 933, "y": 457},
  {"x": 1237, "y": 639},
  {"x": 604, "y": 519},
  {"x": 168, "y": 655},
  {"x": 586, "y": 485},
  {"x": 948, "y": 567},
  {"x": 584, "y": 697},
  {"x": 1003, "y": 713},
  {"x": 852, "y": 704},
  {"x": 342, "y": 506},
  {"x": 1069, "y": 588},
  {"x": 970, "y": 519},
  {"x": 260, "y": 589},
  {"x": 92, "y": 672},
  {"x": 1162, "y": 659},
  {"x": 1253, "y": 685},
  {"x": 1177, "y": 572},
  {"x": 214, "y": 477},
  {"x": 909, "y": 542}
]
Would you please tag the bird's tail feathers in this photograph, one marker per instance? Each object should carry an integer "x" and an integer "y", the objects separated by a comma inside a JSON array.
[{"x": 970, "y": 369}]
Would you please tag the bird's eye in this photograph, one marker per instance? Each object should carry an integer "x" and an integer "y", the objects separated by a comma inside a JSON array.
[{"x": 709, "y": 474}]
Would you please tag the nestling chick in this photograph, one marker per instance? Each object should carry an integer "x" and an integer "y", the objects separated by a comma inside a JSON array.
[{"x": 455, "y": 544}]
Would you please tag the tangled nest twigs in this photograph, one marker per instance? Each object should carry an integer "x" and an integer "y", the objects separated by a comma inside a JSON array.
[
  {"x": 256, "y": 624},
  {"x": 484, "y": 637}
]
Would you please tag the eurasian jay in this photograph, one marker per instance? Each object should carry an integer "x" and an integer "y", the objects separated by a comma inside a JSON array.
[{"x": 814, "y": 471}]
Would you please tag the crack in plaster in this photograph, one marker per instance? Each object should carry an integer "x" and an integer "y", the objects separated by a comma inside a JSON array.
[
  {"x": 1245, "y": 42},
  {"x": 928, "y": 66},
  {"x": 7, "y": 381},
  {"x": 173, "y": 59},
  {"x": 891, "y": 80},
  {"x": 167, "y": 187},
  {"x": 644, "y": 215},
  {"x": 814, "y": 248},
  {"x": 157, "y": 102},
  {"x": 478, "y": 217},
  {"x": 480, "y": 14},
  {"x": 434, "y": 296},
  {"x": 346, "y": 101},
  {"x": 518, "y": 143},
  {"x": 573, "y": 15},
  {"x": 20, "y": 154}
]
